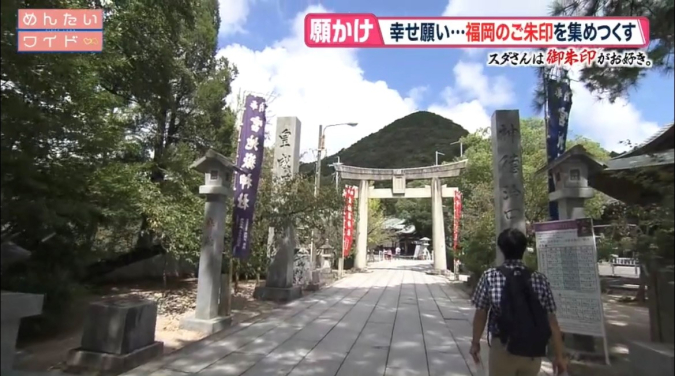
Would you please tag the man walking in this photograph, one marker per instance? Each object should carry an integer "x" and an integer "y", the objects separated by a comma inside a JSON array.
[{"x": 519, "y": 308}]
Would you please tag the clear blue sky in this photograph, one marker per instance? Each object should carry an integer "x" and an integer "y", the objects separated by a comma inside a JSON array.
[{"x": 263, "y": 38}]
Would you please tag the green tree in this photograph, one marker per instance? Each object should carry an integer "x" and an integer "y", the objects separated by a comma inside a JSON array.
[
  {"x": 96, "y": 147},
  {"x": 615, "y": 82},
  {"x": 416, "y": 211},
  {"x": 289, "y": 201},
  {"x": 477, "y": 186},
  {"x": 378, "y": 233},
  {"x": 167, "y": 71},
  {"x": 646, "y": 229}
]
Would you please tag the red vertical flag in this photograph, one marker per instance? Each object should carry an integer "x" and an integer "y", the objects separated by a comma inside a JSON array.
[
  {"x": 457, "y": 218},
  {"x": 348, "y": 227}
]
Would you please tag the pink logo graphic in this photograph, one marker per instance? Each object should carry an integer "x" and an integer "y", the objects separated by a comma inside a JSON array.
[{"x": 60, "y": 30}]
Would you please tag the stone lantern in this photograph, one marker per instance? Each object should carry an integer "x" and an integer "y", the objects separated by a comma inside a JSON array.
[
  {"x": 218, "y": 171},
  {"x": 571, "y": 172}
]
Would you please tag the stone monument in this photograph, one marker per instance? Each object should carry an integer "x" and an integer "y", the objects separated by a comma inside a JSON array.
[
  {"x": 279, "y": 282},
  {"x": 217, "y": 170},
  {"x": 302, "y": 268},
  {"x": 118, "y": 335},
  {"x": 322, "y": 274},
  {"x": 507, "y": 171}
]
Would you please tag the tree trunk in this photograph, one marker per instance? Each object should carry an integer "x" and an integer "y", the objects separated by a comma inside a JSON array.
[
  {"x": 236, "y": 279},
  {"x": 641, "y": 295}
]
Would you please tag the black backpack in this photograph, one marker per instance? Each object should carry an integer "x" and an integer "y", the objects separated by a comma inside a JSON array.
[{"x": 523, "y": 322}]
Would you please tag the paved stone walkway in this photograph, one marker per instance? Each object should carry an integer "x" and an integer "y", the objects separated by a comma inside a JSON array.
[{"x": 394, "y": 321}]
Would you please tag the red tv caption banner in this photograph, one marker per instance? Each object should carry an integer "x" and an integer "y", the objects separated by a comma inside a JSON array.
[
  {"x": 60, "y": 30},
  {"x": 367, "y": 30},
  {"x": 457, "y": 217},
  {"x": 348, "y": 220}
]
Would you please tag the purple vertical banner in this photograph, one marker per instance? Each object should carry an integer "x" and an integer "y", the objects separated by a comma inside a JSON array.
[{"x": 249, "y": 159}]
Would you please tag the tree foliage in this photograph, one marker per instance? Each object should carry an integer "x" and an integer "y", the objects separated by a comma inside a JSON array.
[
  {"x": 615, "y": 82},
  {"x": 645, "y": 229},
  {"x": 96, "y": 147},
  {"x": 378, "y": 233},
  {"x": 477, "y": 186},
  {"x": 281, "y": 202},
  {"x": 96, "y": 144}
]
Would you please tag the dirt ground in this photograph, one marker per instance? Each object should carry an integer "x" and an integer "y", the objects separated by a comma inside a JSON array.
[{"x": 174, "y": 302}]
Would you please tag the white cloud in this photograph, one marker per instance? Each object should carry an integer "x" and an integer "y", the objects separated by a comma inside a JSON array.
[
  {"x": 326, "y": 86},
  {"x": 609, "y": 123},
  {"x": 470, "y": 79},
  {"x": 319, "y": 86},
  {"x": 474, "y": 93},
  {"x": 417, "y": 93},
  {"x": 473, "y": 53},
  {"x": 233, "y": 14},
  {"x": 470, "y": 115}
]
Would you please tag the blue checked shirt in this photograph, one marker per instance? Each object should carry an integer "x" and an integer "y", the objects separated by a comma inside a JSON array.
[{"x": 488, "y": 292}]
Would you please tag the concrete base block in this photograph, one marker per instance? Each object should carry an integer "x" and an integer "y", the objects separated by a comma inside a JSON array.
[
  {"x": 277, "y": 294},
  {"x": 208, "y": 326},
  {"x": 83, "y": 360},
  {"x": 651, "y": 359},
  {"x": 443, "y": 272},
  {"x": 119, "y": 326},
  {"x": 10, "y": 330},
  {"x": 15, "y": 306}
]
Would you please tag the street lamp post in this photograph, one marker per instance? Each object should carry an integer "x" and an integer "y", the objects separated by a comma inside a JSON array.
[
  {"x": 437, "y": 154},
  {"x": 461, "y": 147},
  {"x": 322, "y": 144},
  {"x": 337, "y": 176},
  {"x": 317, "y": 172}
]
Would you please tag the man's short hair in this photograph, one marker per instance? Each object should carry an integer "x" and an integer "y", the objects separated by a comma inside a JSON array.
[{"x": 513, "y": 243}]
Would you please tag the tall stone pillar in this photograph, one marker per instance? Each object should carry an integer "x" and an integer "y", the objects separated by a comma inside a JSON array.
[
  {"x": 211, "y": 258},
  {"x": 282, "y": 242},
  {"x": 507, "y": 172},
  {"x": 440, "y": 262},
  {"x": 217, "y": 172},
  {"x": 360, "y": 261},
  {"x": 286, "y": 158}
]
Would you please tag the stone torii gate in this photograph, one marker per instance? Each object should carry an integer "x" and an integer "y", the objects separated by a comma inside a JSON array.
[{"x": 399, "y": 177}]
